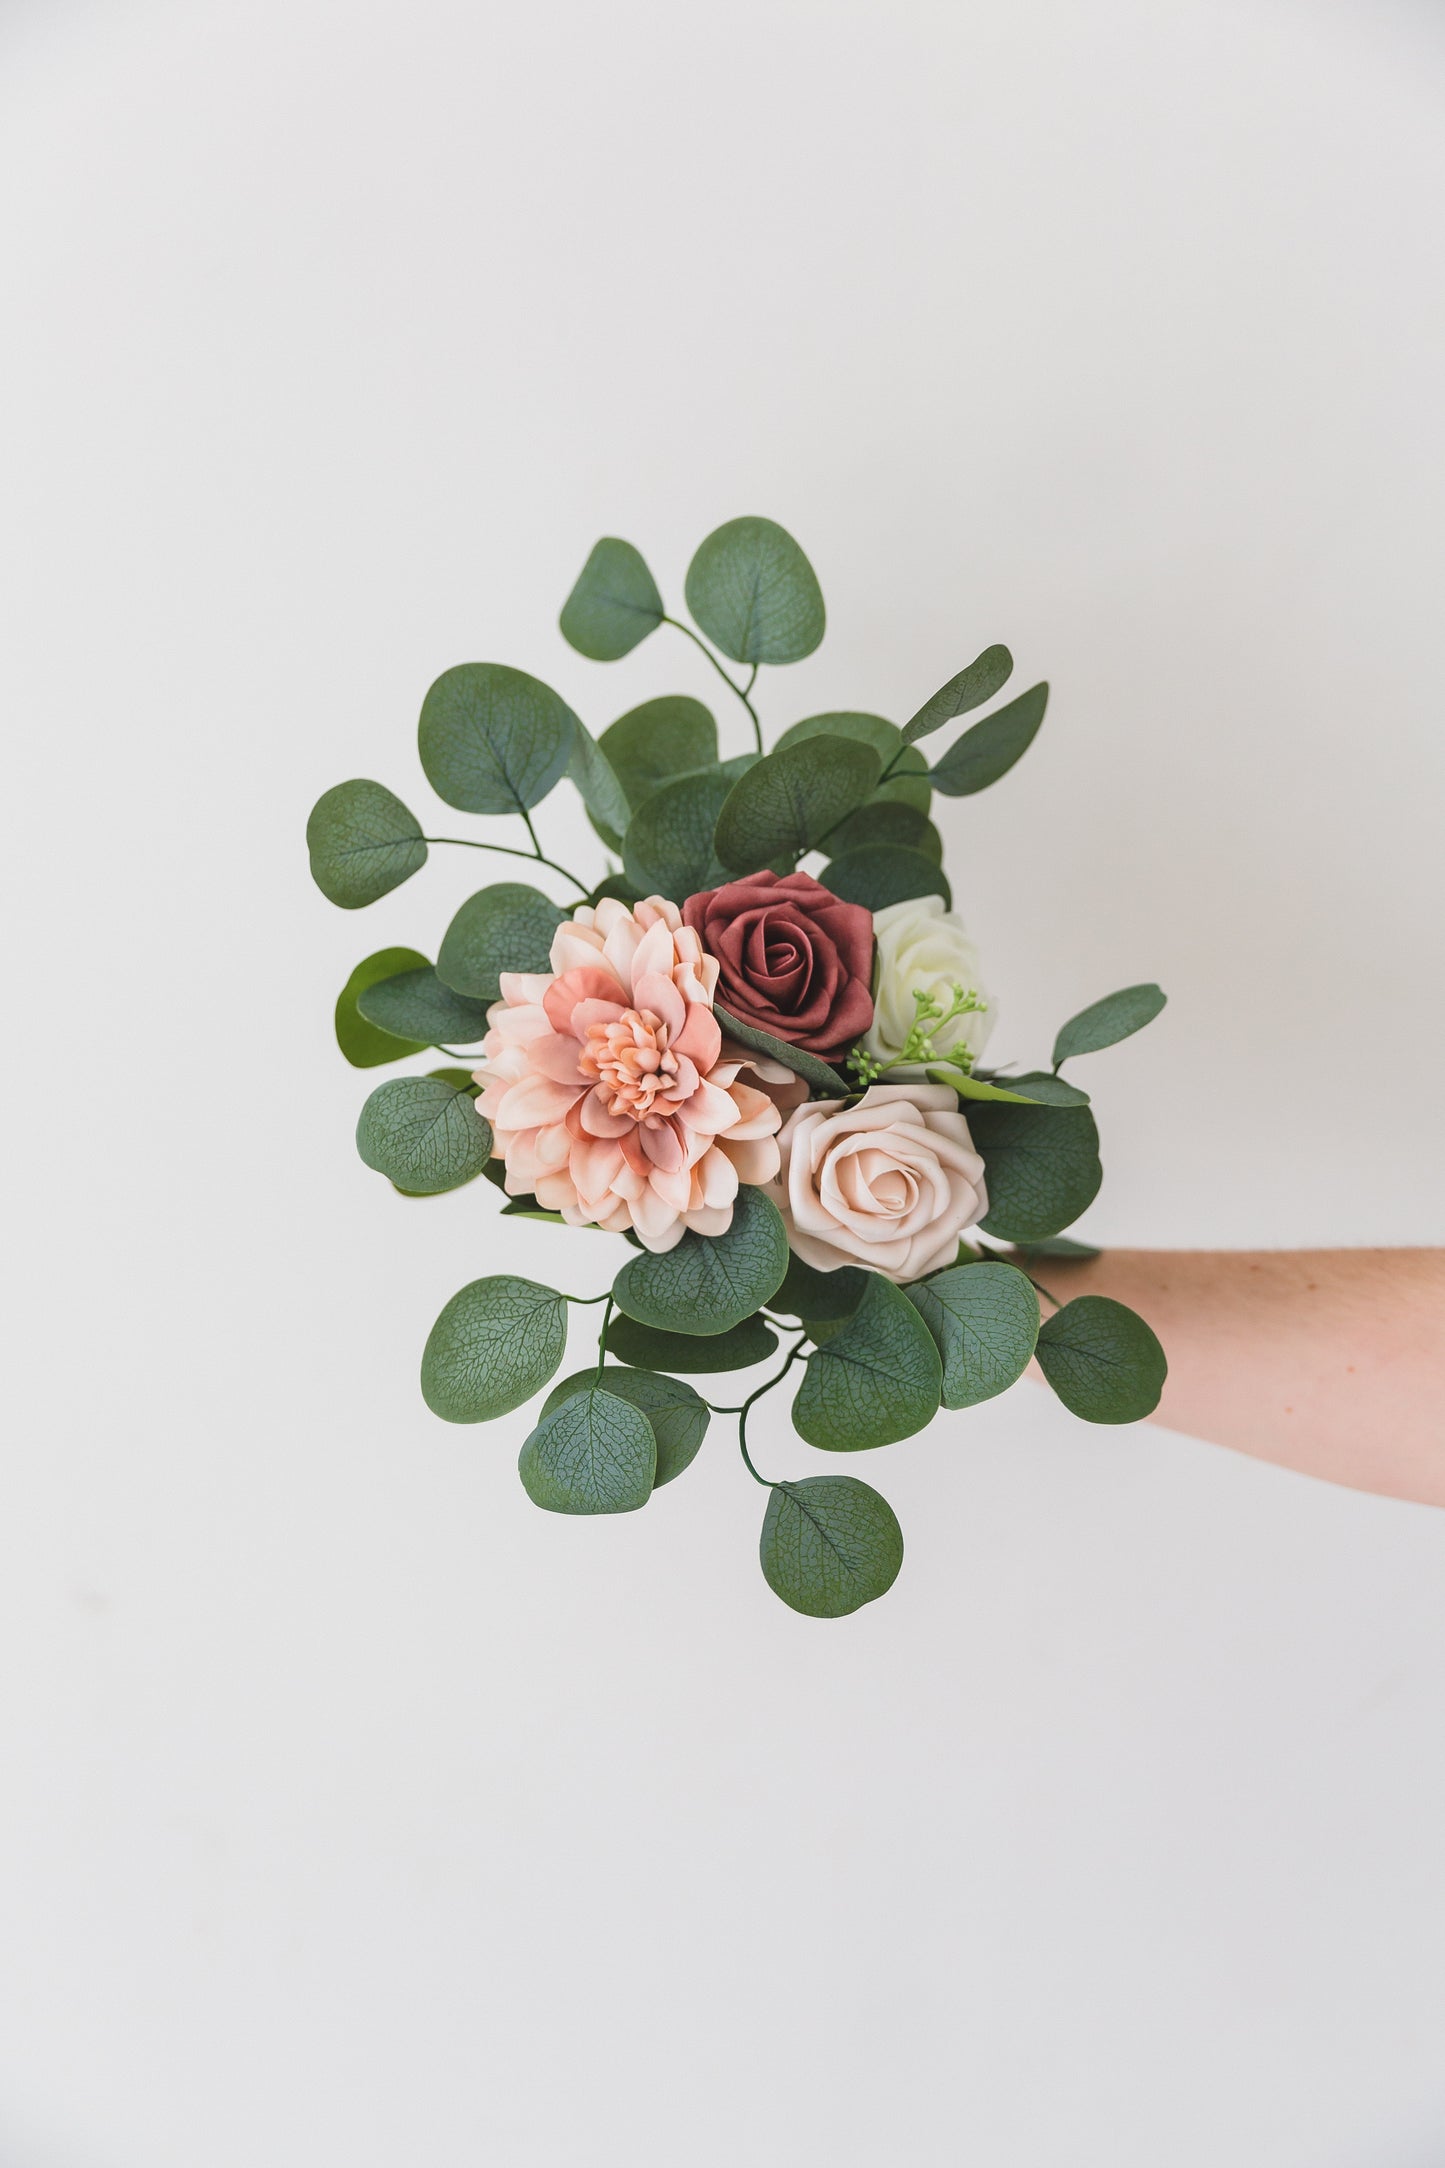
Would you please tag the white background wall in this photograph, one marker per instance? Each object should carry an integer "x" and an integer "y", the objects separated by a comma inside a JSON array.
[{"x": 352, "y": 1811}]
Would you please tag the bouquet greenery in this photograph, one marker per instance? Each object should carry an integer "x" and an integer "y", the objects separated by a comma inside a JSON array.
[{"x": 767, "y": 1081}]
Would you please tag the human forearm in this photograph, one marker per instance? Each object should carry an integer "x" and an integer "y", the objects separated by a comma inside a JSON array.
[{"x": 1331, "y": 1362}]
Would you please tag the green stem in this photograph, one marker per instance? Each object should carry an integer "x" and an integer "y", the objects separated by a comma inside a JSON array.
[
  {"x": 1038, "y": 1290},
  {"x": 470, "y": 843},
  {"x": 742, "y": 691},
  {"x": 583, "y": 1300},
  {"x": 602, "y": 1337},
  {"x": 742, "y": 1414},
  {"x": 453, "y": 1054}
]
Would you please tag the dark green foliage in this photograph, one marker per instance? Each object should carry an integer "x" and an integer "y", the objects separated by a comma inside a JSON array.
[
  {"x": 1102, "y": 1360},
  {"x": 363, "y": 843},
  {"x": 367, "y": 1046},
  {"x": 985, "y": 1320},
  {"x": 829, "y": 1545},
  {"x": 492, "y": 739},
  {"x": 754, "y": 593},
  {"x": 1041, "y": 1166},
  {"x": 876, "y": 1382},
  {"x": 1105, "y": 1023},
  {"x": 614, "y": 604},
  {"x": 884, "y": 873},
  {"x": 507, "y": 927}
]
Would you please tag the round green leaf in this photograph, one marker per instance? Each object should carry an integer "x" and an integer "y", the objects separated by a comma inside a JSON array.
[
  {"x": 829, "y": 1545},
  {"x": 678, "y": 1415},
  {"x": 423, "y": 1135},
  {"x": 663, "y": 738},
  {"x": 507, "y": 927},
  {"x": 884, "y": 873},
  {"x": 985, "y": 1319},
  {"x": 594, "y": 1454},
  {"x": 598, "y": 786},
  {"x": 363, "y": 843},
  {"x": 887, "y": 820},
  {"x": 495, "y": 1344},
  {"x": 492, "y": 739},
  {"x": 1041, "y": 1166},
  {"x": 786, "y": 803},
  {"x": 647, "y": 1349},
  {"x": 1105, "y": 1023},
  {"x": 818, "y": 1073},
  {"x": 754, "y": 593},
  {"x": 878, "y": 1381},
  {"x": 907, "y": 785},
  {"x": 709, "y": 1283},
  {"x": 983, "y": 677},
  {"x": 367, "y": 1046},
  {"x": 419, "y": 1005},
  {"x": 990, "y": 749},
  {"x": 1102, "y": 1360},
  {"x": 669, "y": 845},
  {"x": 819, "y": 1298},
  {"x": 614, "y": 604}
]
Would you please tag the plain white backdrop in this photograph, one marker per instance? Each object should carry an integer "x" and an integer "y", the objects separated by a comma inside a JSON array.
[{"x": 353, "y": 1812}]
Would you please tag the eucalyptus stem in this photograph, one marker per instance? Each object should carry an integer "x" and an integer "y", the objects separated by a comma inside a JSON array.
[
  {"x": 1038, "y": 1290},
  {"x": 472, "y": 843},
  {"x": 742, "y": 691},
  {"x": 742, "y": 1413},
  {"x": 602, "y": 1337},
  {"x": 582, "y": 1301}
]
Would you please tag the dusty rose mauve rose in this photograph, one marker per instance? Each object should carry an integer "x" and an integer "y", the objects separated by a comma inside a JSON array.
[
  {"x": 890, "y": 1183},
  {"x": 794, "y": 959}
]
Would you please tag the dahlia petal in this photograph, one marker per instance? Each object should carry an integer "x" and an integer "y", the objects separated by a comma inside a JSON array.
[
  {"x": 556, "y": 1057},
  {"x": 534, "y": 1099},
  {"x": 700, "y": 1039},
  {"x": 596, "y": 1116},
  {"x": 655, "y": 991}
]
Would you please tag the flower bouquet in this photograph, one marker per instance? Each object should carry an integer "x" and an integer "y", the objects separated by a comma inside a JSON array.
[{"x": 766, "y": 1080}]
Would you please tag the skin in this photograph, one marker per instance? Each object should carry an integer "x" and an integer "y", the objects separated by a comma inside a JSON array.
[{"x": 1330, "y": 1362}]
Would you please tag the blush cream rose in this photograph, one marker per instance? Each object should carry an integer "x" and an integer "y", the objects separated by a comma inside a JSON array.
[
  {"x": 612, "y": 1096},
  {"x": 923, "y": 949},
  {"x": 890, "y": 1183}
]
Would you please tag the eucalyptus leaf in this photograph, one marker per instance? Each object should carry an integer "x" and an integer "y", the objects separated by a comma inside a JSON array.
[
  {"x": 990, "y": 749},
  {"x": 363, "y": 843},
  {"x": 495, "y": 1344},
  {"x": 885, "y": 738},
  {"x": 669, "y": 844},
  {"x": 1060, "y": 1246},
  {"x": 596, "y": 1453},
  {"x": 829, "y": 1545},
  {"x": 1105, "y": 1023},
  {"x": 678, "y": 1415},
  {"x": 1046, "y": 1090},
  {"x": 979, "y": 1088},
  {"x": 507, "y": 927},
  {"x": 709, "y": 1283},
  {"x": 651, "y": 744},
  {"x": 647, "y": 1349},
  {"x": 887, "y": 820},
  {"x": 492, "y": 739},
  {"x": 618, "y": 885},
  {"x": 367, "y": 1046},
  {"x": 419, "y": 1005},
  {"x": 461, "y": 1080},
  {"x": 754, "y": 593},
  {"x": 985, "y": 1320},
  {"x": 1102, "y": 1360},
  {"x": 817, "y": 1298},
  {"x": 879, "y": 1381},
  {"x": 424, "y": 1135},
  {"x": 598, "y": 785},
  {"x": 614, "y": 605},
  {"x": 884, "y": 873},
  {"x": 788, "y": 801},
  {"x": 983, "y": 677},
  {"x": 817, "y": 1073},
  {"x": 1041, "y": 1167}
]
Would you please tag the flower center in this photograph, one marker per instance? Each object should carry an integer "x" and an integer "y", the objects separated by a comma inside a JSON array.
[{"x": 632, "y": 1062}]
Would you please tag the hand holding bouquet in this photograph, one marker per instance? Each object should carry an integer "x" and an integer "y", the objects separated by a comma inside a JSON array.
[{"x": 766, "y": 1080}]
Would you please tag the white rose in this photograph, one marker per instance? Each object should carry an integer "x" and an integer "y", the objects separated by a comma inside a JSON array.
[{"x": 924, "y": 949}]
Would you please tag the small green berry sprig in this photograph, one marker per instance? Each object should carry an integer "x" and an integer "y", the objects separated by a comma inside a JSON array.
[{"x": 929, "y": 1016}]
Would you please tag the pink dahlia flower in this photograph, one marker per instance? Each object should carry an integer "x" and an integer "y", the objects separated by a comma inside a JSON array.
[{"x": 610, "y": 1092}]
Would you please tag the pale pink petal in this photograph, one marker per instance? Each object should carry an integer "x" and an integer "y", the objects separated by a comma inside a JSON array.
[
  {"x": 652, "y": 990},
  {"x": 556, "y": 1057},
  {"x": 597, "y": 1118},
  {"x": 699, "y": 1038}
]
